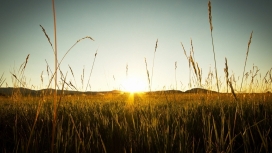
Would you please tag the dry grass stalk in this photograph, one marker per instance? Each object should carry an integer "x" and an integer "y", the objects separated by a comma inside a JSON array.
[
  {"x": 17, "y": 79},
  {"x": 148, "y": 78},
  {"x": 226, "y": 73},
  {"x": 47, "y": 70},
  {"x": 232, "y": 91},
  {"x": 248, "y": 45},
  {"x": 52, "y": 77},
  {"x": 199, "y": 74},
  {"x": 61, "y": 74},
  {"x": 87, "y": 37},
  {"x": 210, "y": 14},
  {"x": 70, "y": 83},
  {"x": 211, "y": 28},
  {"x": 62, "y": 90},
  {"x": 21, "y": 67},
  {"x": 229, "y": 82},
  {"x": 78, "y": 133},
  {"x": 188, "y": 58},
  {"x": 47, "y": 37},
  {"x": 55, "y": 74},
  {"x": 184, "y": 50},
  {"x": 127, "y": 70},
  {"x": 82, "y": 77},
  {"x": 193, "y": 64},
  {"x": 192, "y": 55},
  {"x": 254, "y": 73},
  {"x": 266, "y": 75},
  {"x": 72, "y": 74},
  {"x": 176, "y": 74},
  {"x": 270, "y": 77},
  {"x": 42, "y": 77},
  {"x": 91, "y": 71},
  {"x": 2, "y": 80},
  {"x": 192, "y": 49},
  {"x": 25, "y": 63},
  {"x": 156, "y": 46}
]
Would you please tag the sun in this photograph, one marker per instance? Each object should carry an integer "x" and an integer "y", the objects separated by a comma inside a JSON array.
[{"x": 133, "y": 84}]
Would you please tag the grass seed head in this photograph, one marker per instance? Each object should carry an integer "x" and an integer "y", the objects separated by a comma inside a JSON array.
[
  {"x": 46, "y": 36},
  {"x": 25, "y": 63},
  {"x": 42, "y": 77},
  {"x": 210, "y": 15},
  {"x": 156, "y": 46}
]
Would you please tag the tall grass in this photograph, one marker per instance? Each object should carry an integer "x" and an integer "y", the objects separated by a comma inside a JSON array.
[
  {"x": 211, "y": 28},
  {"x": 56, "y": 78},
  {"x": 248, "y": 45},
  {"x": 2, "y": 80},
  {"x": 101, "y": 124},
  {"x": 156, "y": 46},
  {"x": 227, "y": 79},
  {"x": 88, "y": 83},
  {"x": 57, "y": 66},
  {"x": 148, "y": 77}
]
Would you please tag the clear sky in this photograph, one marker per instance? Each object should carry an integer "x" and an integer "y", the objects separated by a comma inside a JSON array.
[{"x": 125, "y": 32}]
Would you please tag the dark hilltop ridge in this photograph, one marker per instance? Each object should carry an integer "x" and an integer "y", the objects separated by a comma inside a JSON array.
[
  {"x": 200, "y": 90},
  {"x": 5, "y": 92},
  {"x": 29, "y": 92}
]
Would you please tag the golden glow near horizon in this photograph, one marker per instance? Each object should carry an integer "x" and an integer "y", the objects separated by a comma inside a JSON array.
[{"x": 133, "y": 84}]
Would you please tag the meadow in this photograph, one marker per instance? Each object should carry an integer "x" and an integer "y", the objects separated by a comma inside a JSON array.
[
  {"x": 163, "y": 121},
  {"x": 154, "y": 122}
]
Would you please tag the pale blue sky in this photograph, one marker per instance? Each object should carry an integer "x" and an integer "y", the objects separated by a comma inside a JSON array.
[{"x": 125, "y": 32}]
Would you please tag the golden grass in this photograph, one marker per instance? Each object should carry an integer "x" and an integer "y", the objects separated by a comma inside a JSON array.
[
  {"x": 148, "y": 78},
  {"x": 248, "y": 45},
  {"x": 156, "y": 46},
  {"x": 189, "y": 62},
  {"x": 88, "y": 83},
  {"x": 176, "y": 74},
  {"x": 226, "y": 70},
  {"x": 211, "y": 28},
  {"x": 2, "y": 80},
  {"x": 48, "y": 38},
  {"x": 227, "y": 79}
]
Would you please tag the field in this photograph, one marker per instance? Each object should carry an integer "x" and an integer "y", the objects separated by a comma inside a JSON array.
[{"x": 154, "y": 122}]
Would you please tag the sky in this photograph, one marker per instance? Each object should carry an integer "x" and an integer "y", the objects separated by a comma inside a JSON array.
[{"x": 125, "y": 33}]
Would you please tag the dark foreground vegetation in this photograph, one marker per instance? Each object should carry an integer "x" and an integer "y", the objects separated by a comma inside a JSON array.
[{"x": 166, "y": 122}]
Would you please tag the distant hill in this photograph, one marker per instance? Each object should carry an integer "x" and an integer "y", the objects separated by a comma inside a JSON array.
[
  {"x": 24, "y": 91},
  {"x": 200, "y": 90},
  {"x": 9, "y": 91},
  {"x": 165, "y": 91}
]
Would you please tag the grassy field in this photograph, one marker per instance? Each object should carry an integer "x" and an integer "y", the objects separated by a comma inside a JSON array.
[{"x": 165, "y": 122}]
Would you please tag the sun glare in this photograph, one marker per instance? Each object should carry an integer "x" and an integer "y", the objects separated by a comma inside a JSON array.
[{"x": 133, "y": 85}]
